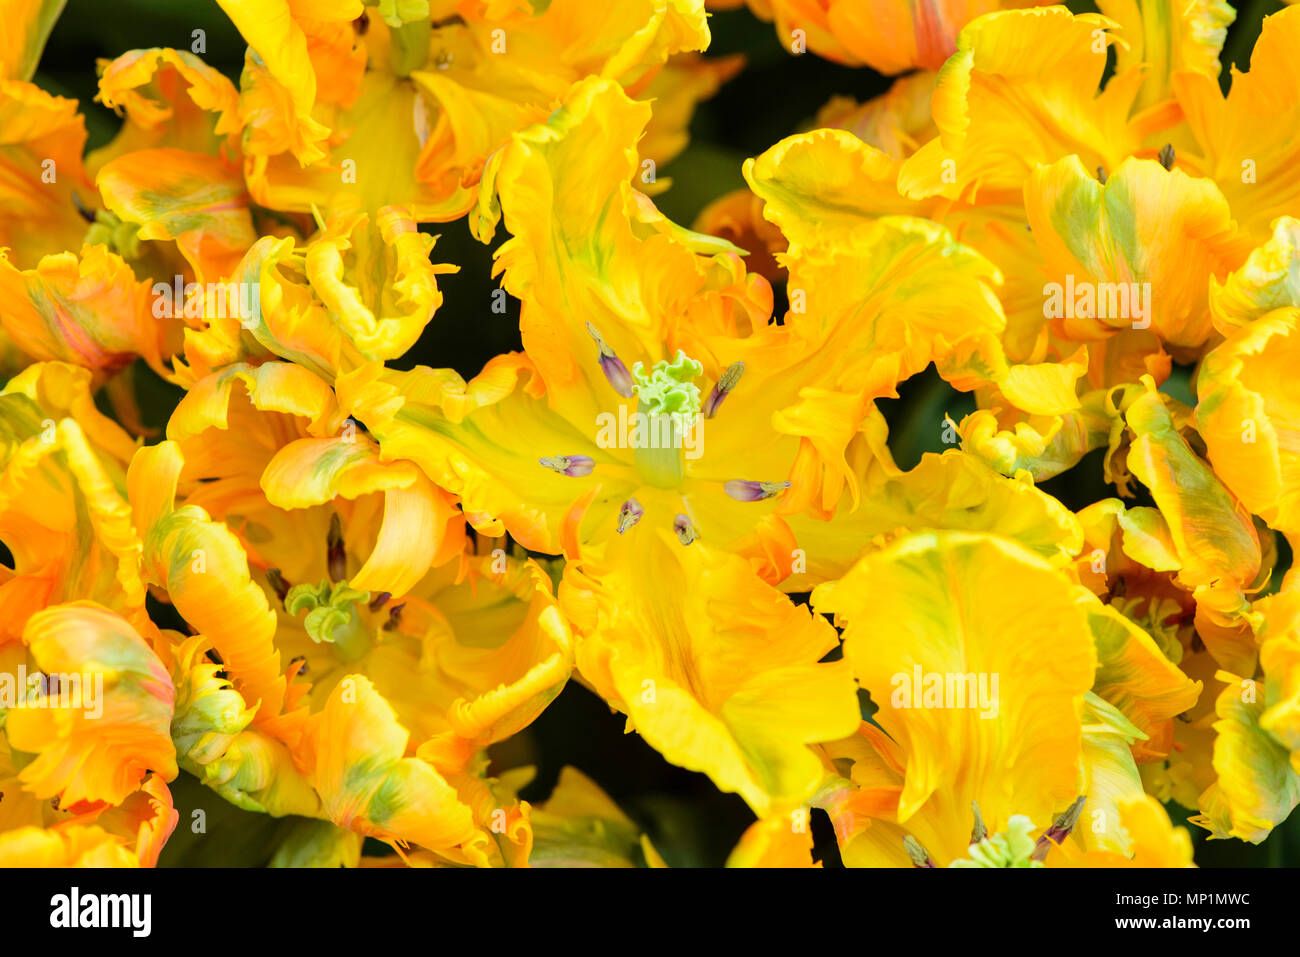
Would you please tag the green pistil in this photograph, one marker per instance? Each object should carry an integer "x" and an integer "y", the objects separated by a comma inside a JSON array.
[
  {"x": 118, "y": 236},
  {"x": 410, "y": 30},
  {"x": 332, "y": 616},
  {"x": 670, "y": 401},
  {"x": 1013, "y": 847}
]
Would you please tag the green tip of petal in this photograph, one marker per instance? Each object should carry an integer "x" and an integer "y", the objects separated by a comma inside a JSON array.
[{"x": 669, "y": 387}]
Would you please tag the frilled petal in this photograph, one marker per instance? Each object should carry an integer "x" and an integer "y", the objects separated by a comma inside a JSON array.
[
  {"x": 377, "y": 281},
  {"x": 1212, "y": 533},
  {"x": 1168, "y": 37},
  {"x": 421, "y": 525},
  {"x": 171, "y": 99},
  {"x": 41, "y": 142},
  {"x": 79, "y": 846},
  {"x": 1154, "y": 841},
  {"x": 1243, "y": 139},
  {"x": 1135, "y": 676},
  {"x": 1257, "y": 787},
  {"x": 952, "y": 491},
  {"x": 280, "y": 55},
  {"x": 503, "y": 648},
  {"x": 696, "y": 667},
  {"x": 979, "y": 656},
  {"x": 1269, "y": 279},
  {"x": 196, "y": 200},
  {"x": 61, "y": 512},
  {"x": 1249, "y": 416},
  {"x": 105, "y": 722},
  {"x": 367, "y": 784},
  {"x": 88, "y": 310},
  {"x": 205, "y": 573},
  {"x": 1021, "y": 90},
  {"x": 1136, "y": 252}
]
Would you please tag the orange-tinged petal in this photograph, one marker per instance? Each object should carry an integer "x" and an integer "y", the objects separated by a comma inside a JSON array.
[
  {"x": 198, "y": 201},
  {"x": 366, "y": 782},
  {"x": 204, "y": 570},
  {"x": 100, "y": 747},
  {"x": 87, "y": 309}
]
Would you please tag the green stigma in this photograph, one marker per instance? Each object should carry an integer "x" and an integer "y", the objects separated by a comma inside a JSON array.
[
  {"x": 669, "y": 386},
  {"x": 332, "y": 616},
  {"x": 668, "y": 402},
  {"x": 1010, "y": 848},
  {"x": 118, "y": 236}
]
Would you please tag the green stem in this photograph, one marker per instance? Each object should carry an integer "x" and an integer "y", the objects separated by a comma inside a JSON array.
[
  {"x": 410, "y": 46},
  {"x": 659, "y": 458}
]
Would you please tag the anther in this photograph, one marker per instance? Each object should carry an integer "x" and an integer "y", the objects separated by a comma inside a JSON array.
[
  {"x": 276, "y": 580},
  {"x": 745, "y": 491},
  {"x": 613, "y": 367},
  {"x": 726, "y": 382},
  {"x": 684, "y": 529},
  {"x": 1059, "y": 830},
  {"x": 336, "y": 555},
  {"x": 571, "y": 465},
  {"x": 919, "y": 856},
  {"x": 629, "y": 514},
  {"x": 979, "y": 831}
]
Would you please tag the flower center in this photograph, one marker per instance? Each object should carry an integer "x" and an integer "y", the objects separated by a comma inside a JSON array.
[{"x": 668, "y": 418}]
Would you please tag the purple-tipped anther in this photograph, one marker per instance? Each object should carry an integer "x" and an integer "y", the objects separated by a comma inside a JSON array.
[
  {"x": 612, "y": 365},
  {"x": 336, "y": 556},
  {"x": 917, "y": 853},
  {"x": 1059, "y": 831},
  {"x": 743, "y": 491},
  {"x": 629, "y": 514},
  {"x": 684, "y": 529},
  {"x": 726, "y": 382},
  {"x": 570, "y": 465}
]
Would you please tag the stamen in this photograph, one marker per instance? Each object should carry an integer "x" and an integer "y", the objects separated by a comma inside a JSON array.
[
  {"x": 979, "y": 831},
  {"x": 572, "y": 465},
  {"x": 336, "y": 555},
  {"x": 277, "y": 583},
  {"x": 1167, "y": 156},
  {"x": 1101, "y": 175},
  {"x": 919, "y": 856},
  {"x": 726, "y": 382},
  {"x": 1059, "y": 831},
  {"x": 613, "y": 367},
  {"x": 395, "y": 617},
  {"x": 85, "y": 212},
  {"x": 745, "y": 491},
  {"x": 380, "y": 600},
  {"x": 684, "y": 529},
  {"x": 629, "y": 514}
]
